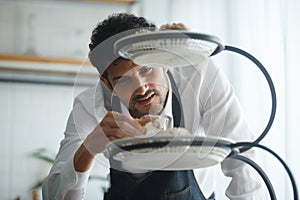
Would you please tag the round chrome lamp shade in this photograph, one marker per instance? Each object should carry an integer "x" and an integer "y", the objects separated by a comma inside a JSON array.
[
  {"x": 171, "y": 48},
  {"x": 169, "y": 151}
]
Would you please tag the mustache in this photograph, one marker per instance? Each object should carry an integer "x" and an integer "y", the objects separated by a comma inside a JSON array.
[{"x": 138, "y": 97}]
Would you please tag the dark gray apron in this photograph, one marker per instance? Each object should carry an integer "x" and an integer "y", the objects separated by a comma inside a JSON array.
[{"x": 155, "y": 185}]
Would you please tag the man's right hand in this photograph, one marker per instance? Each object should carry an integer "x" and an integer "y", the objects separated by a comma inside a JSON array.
[{"x": 113, "y": 126}]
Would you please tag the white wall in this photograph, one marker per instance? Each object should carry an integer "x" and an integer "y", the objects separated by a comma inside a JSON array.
[
  {"x": 59, "y": 29},
  {"x": 34, "y": 116}
]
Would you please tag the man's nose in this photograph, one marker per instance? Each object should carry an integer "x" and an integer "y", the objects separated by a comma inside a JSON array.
[
  {"x": 141, "y": 86},
  {"x": 141, "y": 90}
]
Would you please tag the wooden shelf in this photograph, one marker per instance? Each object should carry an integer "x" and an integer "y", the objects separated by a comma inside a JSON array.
[
  {"x": 112, "y": 1},
  {"x": 33, "y": 69},
  {"x": 23, "y": 58}
]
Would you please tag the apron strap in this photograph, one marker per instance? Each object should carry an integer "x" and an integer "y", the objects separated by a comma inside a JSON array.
[{"x": 177, "y": 111}]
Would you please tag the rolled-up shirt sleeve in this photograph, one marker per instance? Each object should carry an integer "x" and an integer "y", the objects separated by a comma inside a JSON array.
[{"x": 63, "y": 181}]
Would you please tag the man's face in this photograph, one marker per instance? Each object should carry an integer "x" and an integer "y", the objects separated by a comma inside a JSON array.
[{"x": 142, "y": 89}]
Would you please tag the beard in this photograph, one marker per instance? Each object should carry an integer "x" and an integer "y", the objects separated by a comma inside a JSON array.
[{"x": 154, "y": 109}]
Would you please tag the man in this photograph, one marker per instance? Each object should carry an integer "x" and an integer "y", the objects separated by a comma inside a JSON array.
[{"x": 207, "y": 106}]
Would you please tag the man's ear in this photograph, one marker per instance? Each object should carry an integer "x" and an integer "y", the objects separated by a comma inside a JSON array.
[{"x": 107, "y": 83}]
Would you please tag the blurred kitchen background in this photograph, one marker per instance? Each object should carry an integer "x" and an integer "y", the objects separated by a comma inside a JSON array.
[{"x": 43, "y": 66}]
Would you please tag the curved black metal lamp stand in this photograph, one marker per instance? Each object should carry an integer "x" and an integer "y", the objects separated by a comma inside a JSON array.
[
  {"x": 260, "y": 172},
  {"x": 235, "y": 155},
  {"x": 272, "y": 90},
  {"x": 244, "y": 146}
]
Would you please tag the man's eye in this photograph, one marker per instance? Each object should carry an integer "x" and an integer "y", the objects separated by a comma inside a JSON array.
[
  {"x": 145, "y": 70},
  {"x": 123, "y": 80}
]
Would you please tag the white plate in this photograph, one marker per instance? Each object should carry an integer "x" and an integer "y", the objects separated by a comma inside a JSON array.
[{"x": 169, "y": 152}]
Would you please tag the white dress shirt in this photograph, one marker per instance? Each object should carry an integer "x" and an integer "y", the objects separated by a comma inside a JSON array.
[{"x": 210, "y": 108}]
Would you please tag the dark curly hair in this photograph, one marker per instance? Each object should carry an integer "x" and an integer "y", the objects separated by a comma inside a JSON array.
[{"x": 115, "y": 24}]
